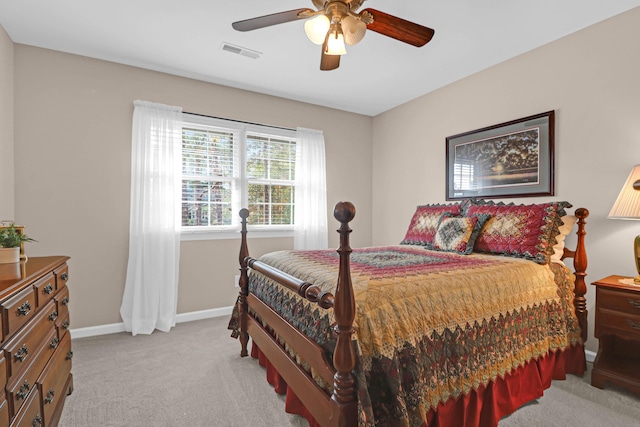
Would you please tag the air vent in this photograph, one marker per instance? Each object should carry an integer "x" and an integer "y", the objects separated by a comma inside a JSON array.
[{"x": 240, "y": 50}]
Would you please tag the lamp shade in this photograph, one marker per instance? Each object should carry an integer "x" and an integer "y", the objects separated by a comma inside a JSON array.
[
  {"x": 316, "y": 28},
  {"x": 353, "y": 29},
  {"x": 335, "y": 43},
  {"x": 627, "y": 205}
]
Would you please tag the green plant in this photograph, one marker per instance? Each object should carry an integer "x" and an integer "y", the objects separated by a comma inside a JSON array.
[{"x": 10, "y": 237}]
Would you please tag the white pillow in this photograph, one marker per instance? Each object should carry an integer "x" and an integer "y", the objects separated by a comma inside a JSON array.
[{"x": 558, "y": 249}]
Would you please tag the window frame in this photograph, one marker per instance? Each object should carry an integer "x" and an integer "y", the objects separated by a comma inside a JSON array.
[{"x": 240, "y": 192}]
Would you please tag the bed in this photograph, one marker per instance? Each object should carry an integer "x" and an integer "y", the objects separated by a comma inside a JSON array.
[{"x": 468, "y": 318}]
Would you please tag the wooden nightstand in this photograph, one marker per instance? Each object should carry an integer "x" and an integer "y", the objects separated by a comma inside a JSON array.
[{"x": 618, "y": 329}]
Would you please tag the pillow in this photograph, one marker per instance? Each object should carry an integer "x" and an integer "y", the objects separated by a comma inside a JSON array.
[
  {"x": 458, "y": 233},
  {"x": 522, "y": 231},
  {"x": 568, "y": 221},
  {"x": 424, "y": 223}
]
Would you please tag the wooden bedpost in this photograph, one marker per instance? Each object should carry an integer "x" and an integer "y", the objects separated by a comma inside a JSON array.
[
  {"x": 580, "y": 266},
  {"x": 344, "y": 406},
  {"x": 243, "y": 307}
]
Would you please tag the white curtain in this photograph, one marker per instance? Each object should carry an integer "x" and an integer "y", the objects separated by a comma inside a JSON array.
[
  {"x": 311, "y": 191},
  {"x": 151, "y": 289}
]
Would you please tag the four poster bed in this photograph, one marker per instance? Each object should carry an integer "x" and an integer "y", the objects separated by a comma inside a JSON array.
[{"x": 470, "y": 317}]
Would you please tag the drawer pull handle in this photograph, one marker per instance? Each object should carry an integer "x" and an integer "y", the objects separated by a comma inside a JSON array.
[
  {"x": 65, "y": 325},
  {"x": 24, "y": 309},
  {"x": 24, "y": 390},
  {"x": 21, "y": 354},
  {"x": 64, "y": 276},
  {"x": 37, "y": 421},
  {"x": 634, "y": 302},
  {"x": 53, "y": 316},
  {"x": 634, "y": 325},
  {"x": 65, "y": 301},
  {"x": 54, "y": 343},
  {"x": 69, "y": 355},
  {"x": 47, "y": 289},
  {"x": 50, "y": 396}
]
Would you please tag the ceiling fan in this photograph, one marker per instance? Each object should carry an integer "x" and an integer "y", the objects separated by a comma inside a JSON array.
[{"x": 338, "y": 22}]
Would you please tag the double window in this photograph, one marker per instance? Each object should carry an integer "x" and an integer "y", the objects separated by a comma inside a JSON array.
[{"x": 227, "y": 165}]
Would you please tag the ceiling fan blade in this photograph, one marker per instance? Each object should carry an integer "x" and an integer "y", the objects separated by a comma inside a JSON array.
[
  {"x": 328, "y": 62},
  {"x": 269, "y": 20},
  {"x": 399, "y": 29}
]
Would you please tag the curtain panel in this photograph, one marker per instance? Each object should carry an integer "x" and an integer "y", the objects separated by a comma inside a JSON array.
[
  {"x": 310, "y": 230},
  {"x": 151, "y": 288}
]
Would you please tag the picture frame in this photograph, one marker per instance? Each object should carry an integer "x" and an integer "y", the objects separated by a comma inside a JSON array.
[{"x": 511, "y": 159}]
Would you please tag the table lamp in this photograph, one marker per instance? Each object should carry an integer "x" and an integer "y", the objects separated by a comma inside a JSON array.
[{"x": 627, "y": 206}]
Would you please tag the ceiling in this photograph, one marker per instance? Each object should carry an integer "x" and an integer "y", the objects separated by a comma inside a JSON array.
[{"x": 185, "y": 38}]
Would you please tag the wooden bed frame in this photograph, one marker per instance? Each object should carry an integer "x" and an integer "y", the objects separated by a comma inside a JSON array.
[{"x": 340, "y": 408}]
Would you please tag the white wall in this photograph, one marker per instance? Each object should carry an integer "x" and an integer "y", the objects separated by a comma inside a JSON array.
[
  {"x": 6, "y": 127},
  {"x": 591, "y": 79}
]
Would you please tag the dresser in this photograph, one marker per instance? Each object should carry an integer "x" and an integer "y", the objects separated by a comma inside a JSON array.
[
  {"x": 35, "y": 355},
  {"x": 618, "y": 331}
]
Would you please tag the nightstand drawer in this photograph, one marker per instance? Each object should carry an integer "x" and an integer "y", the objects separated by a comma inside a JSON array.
[
  {"x": 627, "y": 323},
  {"x": 619, "y": 300}
]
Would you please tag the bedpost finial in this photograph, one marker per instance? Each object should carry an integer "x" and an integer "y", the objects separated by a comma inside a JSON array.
[
  {"x": 244, "y": 213},
  {"x": 344, "y": 211},
  {"x": 582, "y": 213}
]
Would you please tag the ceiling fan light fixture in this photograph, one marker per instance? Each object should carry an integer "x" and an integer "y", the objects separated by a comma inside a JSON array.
[
  {"x": 316, "y": 28},
  {"x": 353, "y": 29},
  {"x": 335, "y": 43}
]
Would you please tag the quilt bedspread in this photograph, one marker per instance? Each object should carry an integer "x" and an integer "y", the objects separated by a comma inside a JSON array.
[{"x": 429, "y": 325}]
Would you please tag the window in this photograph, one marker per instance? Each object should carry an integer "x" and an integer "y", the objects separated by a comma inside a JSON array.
[{"x": 227, "y": 165}]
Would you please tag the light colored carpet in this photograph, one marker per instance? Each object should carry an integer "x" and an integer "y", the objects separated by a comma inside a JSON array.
[{"x": 194, "y": 377}]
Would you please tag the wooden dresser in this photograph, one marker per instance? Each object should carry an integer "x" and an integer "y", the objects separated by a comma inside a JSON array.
[{"x": 35, "y": 356}]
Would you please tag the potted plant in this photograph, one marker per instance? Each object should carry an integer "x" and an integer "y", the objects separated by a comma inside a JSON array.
[{"x": 11, "y": 240}]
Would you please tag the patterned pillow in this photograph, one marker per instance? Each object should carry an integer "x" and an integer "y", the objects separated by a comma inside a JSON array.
[
  {"x": 424, "y": 223},
  {"x": 458, "y": 233},
  {"x": 522, "y": 231}
]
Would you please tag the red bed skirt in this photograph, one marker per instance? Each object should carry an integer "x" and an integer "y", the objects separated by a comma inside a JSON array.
[{"x": 482, "y": 407}]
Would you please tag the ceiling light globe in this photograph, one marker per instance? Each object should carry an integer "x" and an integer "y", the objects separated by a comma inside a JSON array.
[
  {"x": 316, "y": 28},
  {"x": 353, "y": 29},
  {"x": 335, "y": 44}
]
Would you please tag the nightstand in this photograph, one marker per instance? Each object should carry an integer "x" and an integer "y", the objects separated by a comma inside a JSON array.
[{"x": 618, "y": 329}]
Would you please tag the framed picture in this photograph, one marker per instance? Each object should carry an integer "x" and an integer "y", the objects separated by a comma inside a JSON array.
[{"x": 512, "y": 159}]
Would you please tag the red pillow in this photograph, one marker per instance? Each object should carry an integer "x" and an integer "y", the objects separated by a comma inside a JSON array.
[
  {"x": 523, "y": 231},
  {"x": 424, "y": 223}
]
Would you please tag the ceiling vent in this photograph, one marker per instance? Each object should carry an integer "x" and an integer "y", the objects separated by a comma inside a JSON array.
[{"x": 240, "y": 50}]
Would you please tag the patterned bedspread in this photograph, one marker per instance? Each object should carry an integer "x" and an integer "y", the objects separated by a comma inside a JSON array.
[{"x": 430, "y": 325}]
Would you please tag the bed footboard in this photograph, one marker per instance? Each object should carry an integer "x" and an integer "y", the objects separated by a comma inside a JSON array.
[{"x": 342, "y": 404}]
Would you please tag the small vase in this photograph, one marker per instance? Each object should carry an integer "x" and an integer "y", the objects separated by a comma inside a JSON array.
[{"x": 9, "y": 255}]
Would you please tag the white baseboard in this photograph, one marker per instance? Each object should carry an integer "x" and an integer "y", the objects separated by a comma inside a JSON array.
[{"x": 114, "y": 328}]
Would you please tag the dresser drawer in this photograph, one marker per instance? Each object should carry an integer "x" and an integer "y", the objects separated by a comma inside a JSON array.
[
  {"x": 62, "y": 301},
  {"x": 17, "y": 310},
  {"x": 45, "y": 288},
  {"x": 21, "y": 385},
  {"x": 21, "y": 349},
  {"x": 30, "y": 414},
  {"x": 63, "y": 324},
  {"x": 55, "y": 377},
  {"x": 62, "y": 275},
  {"x": 619, "y": 300},
  {"x": 628, "y": 324}
]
